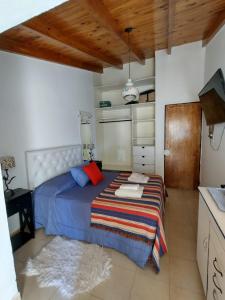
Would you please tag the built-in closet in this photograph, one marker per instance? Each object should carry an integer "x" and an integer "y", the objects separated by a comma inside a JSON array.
[{"x": 125, "y": 133}]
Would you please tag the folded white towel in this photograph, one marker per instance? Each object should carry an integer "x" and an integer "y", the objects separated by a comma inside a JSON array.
[
  {"x": 129, "y": 187},
  {"x": 138, "y": 178},
  {"x": 129, "y": 193},
  {"x": 137, "y": 174}
]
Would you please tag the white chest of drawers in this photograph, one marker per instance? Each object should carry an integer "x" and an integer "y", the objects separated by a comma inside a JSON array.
[
  {"x": 211, "y": 246},
  {"x": 144, "y": 159},
  {"x": 216, "y": 267}
]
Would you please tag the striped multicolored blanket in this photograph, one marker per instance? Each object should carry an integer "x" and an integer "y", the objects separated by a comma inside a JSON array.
[{"x": 139, "y": 219}]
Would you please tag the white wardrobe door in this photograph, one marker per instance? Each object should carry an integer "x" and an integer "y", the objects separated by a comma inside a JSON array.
[{"x": 116, "y": 138}]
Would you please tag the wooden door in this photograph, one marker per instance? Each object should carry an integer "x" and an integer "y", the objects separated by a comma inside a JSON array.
[{"x": 182, "y": 144}]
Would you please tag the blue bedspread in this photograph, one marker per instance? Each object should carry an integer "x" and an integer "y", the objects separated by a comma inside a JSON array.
[{"x": 63, "y": 208}]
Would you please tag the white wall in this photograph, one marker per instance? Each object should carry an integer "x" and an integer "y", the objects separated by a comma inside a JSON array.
[
  {"x": 14, "y": 12},
  {"x": 39, "y": 105},
  {"x": 213, "y": 162},
  {"x": 179, "y": 78},
  {"x": 8, "y": 287}
]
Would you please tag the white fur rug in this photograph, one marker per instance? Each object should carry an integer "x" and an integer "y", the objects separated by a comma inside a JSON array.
[{"x": 71, "y": 266}]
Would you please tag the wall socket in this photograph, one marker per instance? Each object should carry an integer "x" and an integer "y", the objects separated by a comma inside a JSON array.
[{"x": 211, "y": 131}]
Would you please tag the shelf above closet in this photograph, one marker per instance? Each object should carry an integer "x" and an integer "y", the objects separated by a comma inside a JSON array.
[
  {"x": 143, "y": 141},
  {"x": 144, "y": 137},
  {"x": 113, "y": 120},
  {"x": 143, "y": 120},
  {"x": 113, "y": 107},
  {"x": 126, "y": 106},
  {"x": 139, "y": 104},
  {"x": 137, "y": 82},
  {"x": 120, "y": 113}
]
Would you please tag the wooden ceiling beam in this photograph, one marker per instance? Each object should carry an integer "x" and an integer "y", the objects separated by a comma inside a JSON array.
[
  {"x": 103, "y": 16},
  {"x": 41, "y": 27},
  {"x": 9, "y": 45},
  {"x": 215, "y": 27},
  {"x": 171, "y": 19}
]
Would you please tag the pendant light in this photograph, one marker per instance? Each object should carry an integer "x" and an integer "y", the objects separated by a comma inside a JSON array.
[{"x": 130, "y": 93}]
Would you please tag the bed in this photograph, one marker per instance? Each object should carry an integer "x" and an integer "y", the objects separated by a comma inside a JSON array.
[{"x": 63, "y": 208}]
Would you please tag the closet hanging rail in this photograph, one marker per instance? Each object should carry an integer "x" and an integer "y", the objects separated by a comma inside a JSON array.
[{"x": 115, "y": 121}]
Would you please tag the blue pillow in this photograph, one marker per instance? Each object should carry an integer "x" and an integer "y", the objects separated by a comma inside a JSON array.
[
  {"x": 57, "y": 184},
  {"x": 79, "y": 176}
]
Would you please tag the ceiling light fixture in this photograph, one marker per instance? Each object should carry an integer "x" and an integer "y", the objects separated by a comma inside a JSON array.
[{"x": 130, "y": 93}]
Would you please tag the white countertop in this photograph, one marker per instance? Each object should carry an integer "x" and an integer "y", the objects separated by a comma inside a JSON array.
[{"x": 217, "y": 214}]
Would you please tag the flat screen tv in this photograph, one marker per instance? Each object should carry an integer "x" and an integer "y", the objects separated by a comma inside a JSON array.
[{"x": 212, "y": 99}]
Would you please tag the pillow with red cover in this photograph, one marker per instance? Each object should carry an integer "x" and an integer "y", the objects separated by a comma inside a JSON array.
[{"x": 93, "y": 173}]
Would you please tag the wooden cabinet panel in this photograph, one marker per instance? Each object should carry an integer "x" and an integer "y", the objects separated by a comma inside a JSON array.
[
  {"x": 203, "y": 241},
  {"x": 216, "y": 268}
]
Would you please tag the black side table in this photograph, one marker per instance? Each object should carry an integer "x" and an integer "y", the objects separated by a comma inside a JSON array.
[
  {"x": 99, "y": 164},
  {"x": 21, "y": 202}
]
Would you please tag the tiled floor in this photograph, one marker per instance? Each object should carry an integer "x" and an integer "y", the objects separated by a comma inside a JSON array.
[{"x": 179, "y": 277}]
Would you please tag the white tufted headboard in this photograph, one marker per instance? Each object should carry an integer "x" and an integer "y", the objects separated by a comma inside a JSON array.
[{"x": 44, "y": 164}]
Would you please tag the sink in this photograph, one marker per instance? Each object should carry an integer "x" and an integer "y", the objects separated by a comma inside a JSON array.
[{"x": 218, "y": 195}]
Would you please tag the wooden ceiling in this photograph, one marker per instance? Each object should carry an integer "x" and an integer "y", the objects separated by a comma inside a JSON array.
[{"x": 89, "y": 34}]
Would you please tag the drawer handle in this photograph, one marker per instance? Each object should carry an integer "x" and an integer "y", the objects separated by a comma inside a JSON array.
[
  {"x": 205, "y": 243},
  {"x": 216, "y": 267},
  {"x": 213, "y": 278},
  {"x": 143, "y": 147},
  {"x": 143, "y": 156},
  {"x": 143, "y": 165},
  {"x": 215, "y": 295}
]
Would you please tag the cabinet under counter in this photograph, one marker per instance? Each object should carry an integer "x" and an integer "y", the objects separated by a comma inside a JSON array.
[{"x": 211, "y": 246}]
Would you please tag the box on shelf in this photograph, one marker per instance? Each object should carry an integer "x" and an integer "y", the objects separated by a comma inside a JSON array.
[
  {"x": 147, "y": 96},
  {"x": 105, "y": 103},
  {"x": 143, "y": 98},
  {"x": 151, "y": 96}
]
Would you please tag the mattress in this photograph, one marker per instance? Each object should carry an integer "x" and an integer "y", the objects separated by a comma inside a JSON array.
[{"x": 63, "y": 208}]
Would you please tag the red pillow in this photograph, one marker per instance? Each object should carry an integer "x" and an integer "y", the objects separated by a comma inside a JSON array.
[{"x": 93, "y": 173}]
